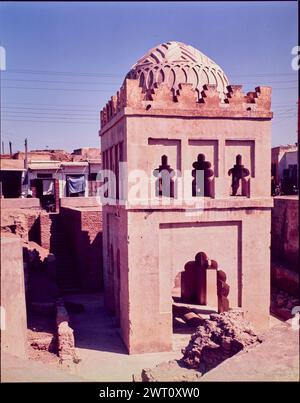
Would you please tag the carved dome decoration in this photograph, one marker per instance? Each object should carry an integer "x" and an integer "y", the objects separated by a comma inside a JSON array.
[{"x": 176, "y": 63}]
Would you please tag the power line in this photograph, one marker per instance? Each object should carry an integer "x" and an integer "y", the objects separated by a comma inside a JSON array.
[
  {"x": 90, "y": 90},
  {"x": 71, "y": 73},
  {"x": 271, "y": 82},
  {"x": 56, "y": 72},
  {"x": 59, "y": 82},
  {"x": 86, "y": 118},
  {"x": 50, "y": 111},
  {"x": 115, "y": 83},
  {"x": 58, "y": 105},
  {"x": 262, "y": 74},
  {"x": 89, "y": 115},
  {"x": 48, "y": 121},
  {"x": 56, "y": 89},
  {"x": 53, "y": 109},
  {"x": 280, "y": 104}
]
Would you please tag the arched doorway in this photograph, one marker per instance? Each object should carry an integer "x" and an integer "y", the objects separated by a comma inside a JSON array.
[{"x": 200, "y": 288}]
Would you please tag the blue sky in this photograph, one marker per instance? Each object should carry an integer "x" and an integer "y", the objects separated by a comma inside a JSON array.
[{"x": 64, "y": 60}]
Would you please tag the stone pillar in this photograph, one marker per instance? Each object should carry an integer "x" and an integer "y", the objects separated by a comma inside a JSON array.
[
  {"x": 211, "y": 288},
  {"x": 201, "y": 285}
]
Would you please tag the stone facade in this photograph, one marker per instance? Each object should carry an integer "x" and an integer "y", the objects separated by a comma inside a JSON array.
[{"x": 148, "y": 242}]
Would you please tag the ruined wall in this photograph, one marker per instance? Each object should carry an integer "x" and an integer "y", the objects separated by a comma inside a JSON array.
[
  {"x": 22, "y": 203},
  {"x": 83, "y": 228},
  {"x": 23, "y": 222},
  {"x": 285, "y": 231},
  {"x": 45, "y": 230},
  {"x": 79, "y": 202},
  {"x": 13, "y": 336}
]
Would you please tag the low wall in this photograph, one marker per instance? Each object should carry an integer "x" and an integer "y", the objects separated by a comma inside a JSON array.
[
  {"x": 22, "y": 203},
  {"x": 22, "y": 222},
  {"x": 13, "y": 336},
  {"x": 79, "y": 202},
  {"x": 285, "y": 231},
  {"x": 83, "y": 227}
]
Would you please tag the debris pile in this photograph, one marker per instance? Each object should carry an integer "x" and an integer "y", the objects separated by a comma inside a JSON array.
[{"x": 218, "y": 338}]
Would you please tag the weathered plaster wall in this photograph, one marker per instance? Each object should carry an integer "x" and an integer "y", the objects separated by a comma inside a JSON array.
[
  {"x": 22, "y": 203},
  {"x": 285, "y": 230},
  {"x": 79, "y": 202},
  {"x": 13, "y": 337},
  {"x": 225, "y": 236},
  {"x": 115, "y": 261},
  {"x": 220, "y": 140},
  {"x": 23, "y": 222},
  {"x": 155, "y": 241}
]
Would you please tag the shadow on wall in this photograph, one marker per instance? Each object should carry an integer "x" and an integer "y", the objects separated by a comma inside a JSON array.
[
  {"x": 88, "y": 254},
  {"x": 41, "y": 288},
  {"x": 67, "y": 276},
  {"x": 83, "y": 232}
]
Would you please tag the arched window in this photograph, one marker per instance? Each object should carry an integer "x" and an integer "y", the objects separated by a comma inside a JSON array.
[
  {"x": 203, "y": 187},
  {"x": 240, "y": 184},
  {"x": 164, "y": 185}
]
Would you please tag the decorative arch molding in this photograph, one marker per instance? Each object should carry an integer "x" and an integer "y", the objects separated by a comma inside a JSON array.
[{"x": 202, "y": 281}]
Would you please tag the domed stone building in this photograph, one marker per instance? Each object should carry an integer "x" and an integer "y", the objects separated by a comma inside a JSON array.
[
  {"x": 187, "y": 220},
  {"x": 175, "y": 63}
]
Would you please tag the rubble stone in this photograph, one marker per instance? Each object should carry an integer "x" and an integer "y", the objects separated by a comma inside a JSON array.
[
  {"x": 192, "y": 319},
  {"x": 65, "y": 336},
  {"x": 218, "y": 338},
  {"x": 168, "y": 372}
]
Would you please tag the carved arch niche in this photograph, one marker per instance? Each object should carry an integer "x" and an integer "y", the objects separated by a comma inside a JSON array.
[{"x": 203, "y": 283}]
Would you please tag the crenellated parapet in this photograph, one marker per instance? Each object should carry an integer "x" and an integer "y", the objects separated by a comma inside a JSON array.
[{"x": 186, "y": 99}]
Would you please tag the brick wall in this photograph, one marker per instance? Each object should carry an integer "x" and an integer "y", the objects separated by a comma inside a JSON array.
[
  {"x": 45, "y": 230},
  {"x": 22, "y": 222}
]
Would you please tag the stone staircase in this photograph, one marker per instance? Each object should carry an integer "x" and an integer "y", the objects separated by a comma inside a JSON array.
[{"x": 67, "y": 277}]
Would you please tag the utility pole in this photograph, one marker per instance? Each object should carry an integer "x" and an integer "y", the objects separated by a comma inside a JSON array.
[
  {"x": 26, "y": 167},
  {"x": 2, "y": 67},
  {"x": 10, "y": 148},
  {"x": 1, "y": 113}
]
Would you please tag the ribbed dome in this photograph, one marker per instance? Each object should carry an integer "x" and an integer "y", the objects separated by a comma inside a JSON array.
[{"x": 176, "y": 63}]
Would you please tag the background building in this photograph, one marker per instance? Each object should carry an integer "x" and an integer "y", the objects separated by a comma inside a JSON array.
[{"x": 285, "y": 169}]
